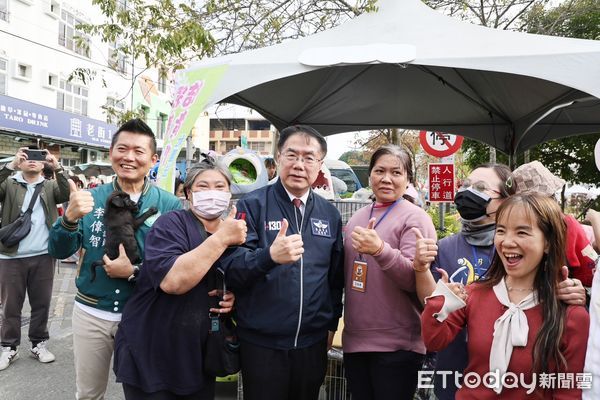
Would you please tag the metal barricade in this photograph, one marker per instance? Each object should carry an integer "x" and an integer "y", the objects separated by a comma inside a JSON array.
[{"x": 348, "y": 208}]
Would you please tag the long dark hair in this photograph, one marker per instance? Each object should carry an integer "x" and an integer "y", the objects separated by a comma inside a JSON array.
[{"x": 546, "y": 213}]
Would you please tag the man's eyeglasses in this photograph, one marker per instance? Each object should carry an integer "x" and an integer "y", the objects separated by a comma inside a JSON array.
[
  {"x": 480, "y": 186},
  {"x": 308, "y": 160}
]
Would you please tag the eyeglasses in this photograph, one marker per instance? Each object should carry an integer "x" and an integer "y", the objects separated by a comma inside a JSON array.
[
  {"x": 480, "y": 186},
  {"x": 308, "y": 160}
]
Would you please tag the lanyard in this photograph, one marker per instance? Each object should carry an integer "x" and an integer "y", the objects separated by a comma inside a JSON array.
[
  {"x": 384, "y": 214},
  {"x": 476, "y": 261}
]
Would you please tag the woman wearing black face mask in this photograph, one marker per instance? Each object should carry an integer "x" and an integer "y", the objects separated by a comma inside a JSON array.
[{"x": 466, "y": 256}]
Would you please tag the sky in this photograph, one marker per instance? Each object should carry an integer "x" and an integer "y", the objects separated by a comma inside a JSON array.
[{"x": 339, "y": 144}]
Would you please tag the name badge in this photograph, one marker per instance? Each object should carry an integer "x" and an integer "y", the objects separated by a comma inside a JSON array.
[
  {"x": 320, "y": 227},
  {"x": 359, "y": 276}
]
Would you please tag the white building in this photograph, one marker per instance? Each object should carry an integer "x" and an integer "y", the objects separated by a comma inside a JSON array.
[{"x": 38, "y": 105}]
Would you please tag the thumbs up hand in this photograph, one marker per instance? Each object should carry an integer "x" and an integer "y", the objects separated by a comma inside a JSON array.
[
  {"x": 232, "y": 231},
  {"x": 286, "y": 249},
  {"x": 81, "y": 202},
  {"x": 366, "y": 240},
  {"x": 425, "y": 251},
  {"x": 570, "y": 290}
]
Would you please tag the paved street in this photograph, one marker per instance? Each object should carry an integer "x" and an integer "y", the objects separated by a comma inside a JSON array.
[{"x": 28, "y": 379}]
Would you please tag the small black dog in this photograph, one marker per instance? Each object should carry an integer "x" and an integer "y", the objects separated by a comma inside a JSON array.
[{"x": 120, "y": 225}]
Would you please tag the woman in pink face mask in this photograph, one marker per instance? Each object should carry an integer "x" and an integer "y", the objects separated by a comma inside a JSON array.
[{"x": 166, "y": 321}]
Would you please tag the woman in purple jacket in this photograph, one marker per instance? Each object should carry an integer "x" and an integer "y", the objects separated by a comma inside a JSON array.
[{"x": 383, "y": 349}]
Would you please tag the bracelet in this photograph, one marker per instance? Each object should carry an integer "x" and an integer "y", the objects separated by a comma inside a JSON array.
[
  {"x": 380, "y": 249},
  {"x": 420, "y": 269},
  {"x": 68, "y": 224},
  {"x": 134, "y": 274}
]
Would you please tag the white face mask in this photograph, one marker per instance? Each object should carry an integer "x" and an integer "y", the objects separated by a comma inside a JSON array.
[{"x": 210, "y": 204}]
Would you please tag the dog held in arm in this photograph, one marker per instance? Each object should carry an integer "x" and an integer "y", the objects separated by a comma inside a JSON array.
[{"x": 120, "y": 225}]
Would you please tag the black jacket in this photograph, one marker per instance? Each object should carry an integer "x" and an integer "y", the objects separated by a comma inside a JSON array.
[{"x": 294, "y": 305}]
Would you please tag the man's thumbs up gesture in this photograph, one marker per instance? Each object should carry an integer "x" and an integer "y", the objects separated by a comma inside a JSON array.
[
  {"x": 286, "y": 249},
  {"x": 81, "y": 202},
  {"x": 366, "y": 240}
]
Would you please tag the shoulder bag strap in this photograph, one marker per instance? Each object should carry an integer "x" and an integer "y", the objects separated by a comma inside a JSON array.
[
  {"x": 36, "y": 192},
  {"x": 210, "y": 275}
]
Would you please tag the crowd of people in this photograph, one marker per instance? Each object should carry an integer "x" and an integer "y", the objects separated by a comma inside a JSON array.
[{"x": 504, "y": 297}]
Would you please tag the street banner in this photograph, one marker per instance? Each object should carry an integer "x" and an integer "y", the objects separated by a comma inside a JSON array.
[
  {"x": 441, "y": 183},
  {"x": 192, "y": 93}
]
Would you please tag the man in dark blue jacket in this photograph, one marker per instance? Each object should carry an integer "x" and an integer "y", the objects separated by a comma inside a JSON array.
[{"x": 288, "y": 278}]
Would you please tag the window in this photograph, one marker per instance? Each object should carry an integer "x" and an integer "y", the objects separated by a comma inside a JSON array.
[
  {"x": 162, "y": 80},
  {"x": 145, "y": 110},
  {"x": 51, "y": 80},
  {"x": 72, "y": 97},
  {"x": 227, "y": 124},
  {"x": 117, "y": 60},
  {"x": 3, "y": 67},
  {"x": 114, "y": 107},
  {"x": 68, "y": 34},
  {"x": 231, "y": 145},
  {"x": 22, "y": 71},
  {"x": 257, "y": 146},
  {"x": 4, "y": 10},
  {"x": 161, "y": 126},
  {"x": 53, "y": 9},
  {"x": 259, "y": 125}
]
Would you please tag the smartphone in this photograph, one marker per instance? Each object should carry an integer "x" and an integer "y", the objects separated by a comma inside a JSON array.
[{"x": 36, "y": 155}]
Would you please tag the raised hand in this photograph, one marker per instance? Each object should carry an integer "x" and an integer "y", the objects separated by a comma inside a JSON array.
[
  {"x": 81, "y": 202},
  {"x": 425, "y": 251},
  {"x": 571, "y": 291},
  {"x": 232, "y": 231},
  {"x": 366, "y": 240},
  {"x": 20, "y": 157},
  {"x": 286, "y": 249},
  {"x": 456, "y": 287}
]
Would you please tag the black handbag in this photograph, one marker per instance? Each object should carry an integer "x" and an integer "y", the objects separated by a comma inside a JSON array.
[
  {"x": 222, "y": 350},
  {"x": 222, "y": 356},
  {"x": 13, "y": 233}
]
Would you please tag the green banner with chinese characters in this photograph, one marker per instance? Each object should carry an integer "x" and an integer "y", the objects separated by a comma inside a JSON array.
[{"x": 192, "y": 93}]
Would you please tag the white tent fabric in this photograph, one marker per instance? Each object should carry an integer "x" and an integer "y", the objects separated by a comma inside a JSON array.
[{"x": 409, "y": 66}]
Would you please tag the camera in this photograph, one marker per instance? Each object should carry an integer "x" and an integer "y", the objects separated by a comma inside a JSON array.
[{"x": 36, "y": 155}]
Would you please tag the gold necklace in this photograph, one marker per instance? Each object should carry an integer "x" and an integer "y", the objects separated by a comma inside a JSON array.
[{"x": 510, "y": 289}]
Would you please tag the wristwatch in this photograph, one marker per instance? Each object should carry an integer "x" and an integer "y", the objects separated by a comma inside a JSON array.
[{"x": 134, "y": 274}]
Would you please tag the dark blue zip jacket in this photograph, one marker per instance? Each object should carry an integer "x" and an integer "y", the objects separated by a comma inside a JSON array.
[{"x": 294, "y": 305}]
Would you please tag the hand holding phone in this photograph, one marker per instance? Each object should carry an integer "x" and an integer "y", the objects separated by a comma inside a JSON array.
[{"x": 36, "y": 155}]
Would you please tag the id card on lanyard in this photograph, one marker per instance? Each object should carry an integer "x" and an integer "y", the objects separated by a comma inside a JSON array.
[
  {"x": 359, "y": 274},
  {"x": 360, "y": 267}
]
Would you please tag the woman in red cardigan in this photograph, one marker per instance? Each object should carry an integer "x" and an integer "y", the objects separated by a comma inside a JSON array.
[{"x": 522, "y": 340}]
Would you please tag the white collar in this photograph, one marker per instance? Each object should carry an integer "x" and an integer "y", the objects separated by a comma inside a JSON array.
[
  {"x": 304, "y": 197},
  {"x": 18, "y": 176}
]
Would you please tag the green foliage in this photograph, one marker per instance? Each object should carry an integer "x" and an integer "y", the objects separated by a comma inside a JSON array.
[
  {"x": 355, "y": 158},
  {"x": 162, "y": 32},
  {"x": 451, "y": 221},
  {"x": 571, "y": 158},
  {"x": 574, "y": 18}
]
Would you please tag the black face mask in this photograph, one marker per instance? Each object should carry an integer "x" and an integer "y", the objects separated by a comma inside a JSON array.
[{"x": 471, "y": 204}]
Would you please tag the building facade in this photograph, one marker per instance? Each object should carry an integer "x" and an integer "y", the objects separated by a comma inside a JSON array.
[
  {"x": 39, "y": 104},
  {"x": 239, "y": 127}
]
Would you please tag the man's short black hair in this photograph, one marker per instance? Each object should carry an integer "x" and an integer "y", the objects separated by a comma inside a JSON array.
[
  {"x": 138, "y": 126},
  {"x": 306, "y": 130}
]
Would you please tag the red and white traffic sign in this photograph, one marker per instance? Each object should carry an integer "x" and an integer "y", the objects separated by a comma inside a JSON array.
[
  {"x": 440, "y": 144},
  {"x": 441, "y": 183}
]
